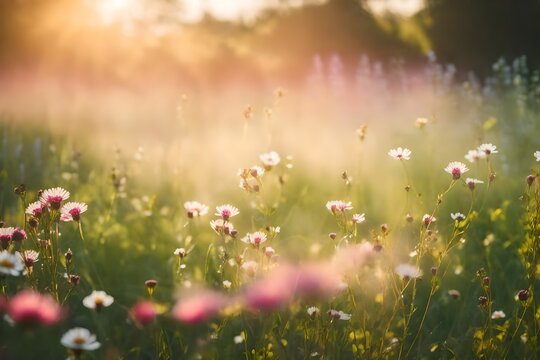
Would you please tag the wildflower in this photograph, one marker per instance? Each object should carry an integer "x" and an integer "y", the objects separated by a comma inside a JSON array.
[
  {"x": 255, "y": 238},
  {"x": 407, "y": 271},
  {"x": 74, "y": 279},
  {"x": 482, "y": 300},
  {"x": 5, "y": 236},
  {"x": 72, "y": 211},
  {"x": 457, "y": 216},
  {"x": 198, "y": 307},
  {"x": 400, "y": 153},
  {"x": 221, "y": 227},
  {"x": 456, "y": 168},
  {"x": 144, "y": 312},
  {"x": 474, "y": 155},
  {"x": 338, "y": 315},
  {"x": 498, "y": 314},
  {"x": 537, "y": 155},
  {"x": 337, "y": 205},
  {"x": 249, "y": 185},
  {"x": 488, "y": 149},
  {"x": 180, "y": 252},
  {"x": 29, "y": 258},
  {"x": 18, "y": 235},
  {"x": 35, "y": 208},
  {"x": 421, "y": 122},
  {"x": 250, "y": 268},
  {"x": 273, "y": 292},
  {"x": 428, "y": 219},
  {"x": 226, "y": 284},
  {"x": 30, "y": 308},
  {"x": 79, "y": 339},
  {"x": 471, "y": 183},
  {"x": 313, "y": 311},
  {"x": 269, "y": 252},
  {"x": 150, "y": 286},
  {"x": 54, "y": 197},
  {"x": 195, "y": 209},
  {"x": 238, "y": 339},
  {"x": 523, "y": 295},
  {"x": 270, "y": 159},
  {"x": 98, "y": 300},
  {"x": 10, "y": 264},
  {"x": 454, "y": 294},
  {"x": 226, "y": 211},
  {"x": 256, "y": 171},
  {"x": 358, "y": 218}
]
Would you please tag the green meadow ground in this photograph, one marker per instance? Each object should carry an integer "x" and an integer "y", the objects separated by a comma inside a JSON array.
[{"x": 136, "y": 219}]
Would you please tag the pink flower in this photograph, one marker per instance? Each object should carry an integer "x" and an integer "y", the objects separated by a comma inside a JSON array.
[
  {"x": 54, "y": 197},
  {"x": 255, "y": 238},
  {"x": 223, "y": 227},
  {"x": 72, "y": 211},
  {"x": 335, "y": 206},
  {"x": 29, "y": 257},
  {"x": 349, "y": 258},
  {"x": 36, "y": 208},
  {"x": 18, "y": 235},
  {"x": 275, "y": 291},
  {"x": 144, "y": 312},
  {"x": 456, "y": 168},
  {"x": 199, "y": 307},
  {"x": 428, "y": 219},
  {"x": 31, "y": 308},
  {"x": 195, "y": 209},
  {"x": 5, "y": 236},
  {"x": 226, "y": 211}
]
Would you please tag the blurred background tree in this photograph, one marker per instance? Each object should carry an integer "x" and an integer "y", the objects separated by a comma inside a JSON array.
[{"x": 118, "y": 39}]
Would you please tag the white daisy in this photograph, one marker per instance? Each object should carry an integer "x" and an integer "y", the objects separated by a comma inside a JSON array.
[
  {"x": 537, "y": 155},
  {"x": 475, "y": 155},
  {"x": 488, "y": 149},
  {"x": 457, "y": 216},
  {"x": 400, "y": 153},
  {"x": 270, "y": 159},
  {"x": 98, "y": 300},
  {"x": 358, "y": 218},
  {"x": 80, "y": 339},
  {"x": 407, "y": 271},
  {"x": 498, "y": 314},
  {"x": 10, "y": 264}
]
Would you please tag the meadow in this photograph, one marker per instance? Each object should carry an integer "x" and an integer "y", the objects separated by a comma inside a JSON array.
[{"x": 390, "y": 214}]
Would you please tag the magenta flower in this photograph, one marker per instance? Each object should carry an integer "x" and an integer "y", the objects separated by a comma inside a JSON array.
[
  {"x": 30, "y": 308},
  {"x": 72, "y": 211},
  {"x": 199, "y": 307},
  {"x": 226, "y": 211},
  {"x": 457, "y": 169},
  {"x": 54, "y": 197},
  {"x": 144, "y": 312},
  {"x": 36, "y": 208}
]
